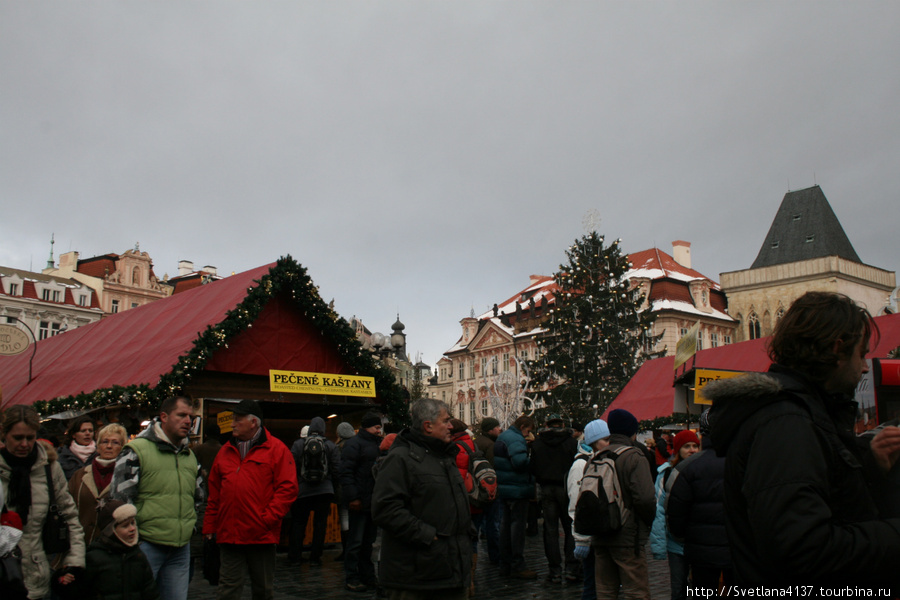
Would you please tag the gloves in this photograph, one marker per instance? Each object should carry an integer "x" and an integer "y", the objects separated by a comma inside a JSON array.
[{"x": 582, "y": 551}]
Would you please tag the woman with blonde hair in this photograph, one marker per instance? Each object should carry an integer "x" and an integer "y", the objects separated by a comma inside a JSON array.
[
  {"x": 30, "y": 472},
  {"x": 91, "y": 484}
]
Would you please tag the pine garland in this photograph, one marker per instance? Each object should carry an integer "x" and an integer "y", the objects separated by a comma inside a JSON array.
[{"x": 286, "y": 276}]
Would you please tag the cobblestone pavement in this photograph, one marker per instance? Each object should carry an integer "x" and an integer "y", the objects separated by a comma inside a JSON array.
[{"x": 326, "y": 582}]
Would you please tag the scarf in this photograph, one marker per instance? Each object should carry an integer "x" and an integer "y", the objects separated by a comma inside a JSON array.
[
  {"x": 20, "y": 481},
  {"x": 102, "y": 471},
  {"x": 244, "y": 447},
  {"x": 83, "y": 452}
]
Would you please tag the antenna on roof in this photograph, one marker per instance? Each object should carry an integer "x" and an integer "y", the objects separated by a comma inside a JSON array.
[
  {"x": 789, "y": 184},
  {"x": 50, "y": 260},
  {"x": 814, "y": 178}
]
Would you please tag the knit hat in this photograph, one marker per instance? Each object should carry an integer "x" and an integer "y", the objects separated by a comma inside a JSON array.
[
  {"x": 683, "y": 438},
  {"x": 489, "y": 423},
  {"x": 554, "y": 418},
  {"x": 457, "y": 426},
  {"x": 595, "y": 430},
  {"x": 345, "y": 430},
  {"x": 622, "y": 422},
  {"x": 371, "y": 419},
  {"x": 305, "y": 431},
  {"x": 113, "y": 513}
]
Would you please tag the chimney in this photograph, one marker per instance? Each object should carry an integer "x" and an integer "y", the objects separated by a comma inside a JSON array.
[
  {"x": 209, "y": 269},
  {"x": 185, "y": 267},
  {"x": 68, "y": 261},
  {"x": 681, "y": 252}
]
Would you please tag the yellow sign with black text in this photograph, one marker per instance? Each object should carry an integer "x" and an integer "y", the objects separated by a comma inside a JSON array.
[
  {"x": 300, "y": 382},
  {"x": 223, "y": 420},
  {"x": 705, "y": 376}
]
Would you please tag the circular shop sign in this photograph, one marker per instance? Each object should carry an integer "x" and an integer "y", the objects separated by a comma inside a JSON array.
[{"x": 12, "y": 340}]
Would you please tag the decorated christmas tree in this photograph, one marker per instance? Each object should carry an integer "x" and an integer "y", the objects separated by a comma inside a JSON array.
[{"x": 597, "y": 335}]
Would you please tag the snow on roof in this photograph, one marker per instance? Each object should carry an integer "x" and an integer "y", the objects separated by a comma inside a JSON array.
[
  {"x": 687, "y": 307},
  {"x": 656, "y": 264}
]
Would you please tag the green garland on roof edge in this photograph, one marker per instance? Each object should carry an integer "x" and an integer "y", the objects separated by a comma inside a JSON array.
[
  {"x": 673, "y": 419},
  {"x": 287, "y": 275}
]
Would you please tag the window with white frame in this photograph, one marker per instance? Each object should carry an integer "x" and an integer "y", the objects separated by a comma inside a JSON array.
[
  {"x": 699, "y": 339},
  {"x": 472, "y": 369},
  {"x": 754, "y": 330},
  {"x": 462, "y": 411},
  {"x": 714, "y": 340},
  {"x": 506, "y": 362},
  {"x": 56, "y": 296},
  {"x": 726, "y": 339},
  {"x": 484, "y": 407},
  {"x": 48, "y": 329},
  {"x": 471, "y": 413},
  {"x": 14, "y": 289},
  {"x": 483, "y": 366},
  {"x": 495, "y": 367},
  {"x": 462, "y": 369},
  {"x": 115, "y": 307},
  {"x": 45, "y": 295},
  {"x": 82, "y": 300}
]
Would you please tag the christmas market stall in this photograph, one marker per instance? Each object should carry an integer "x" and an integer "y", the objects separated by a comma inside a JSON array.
[{"x": 264, "y": 334}]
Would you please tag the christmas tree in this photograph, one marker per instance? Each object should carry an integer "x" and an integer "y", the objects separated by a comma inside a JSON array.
[{"x": 597, "y": 335}]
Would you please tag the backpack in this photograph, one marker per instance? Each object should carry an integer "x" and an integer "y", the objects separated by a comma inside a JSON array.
[
  {"x": 600, "y": 510},
  {"x": 314, "y": 462},
  {"x": 481, "y": 480}
]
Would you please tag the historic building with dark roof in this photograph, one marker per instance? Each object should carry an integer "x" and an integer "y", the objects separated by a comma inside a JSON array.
[{"x": 805, "y": 249}]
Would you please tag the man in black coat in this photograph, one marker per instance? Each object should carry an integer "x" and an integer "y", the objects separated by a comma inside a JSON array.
[
  {"x": 552, "y": 454},
  {"x": 357, "y": 459},
  {"x": 799, "y": 485},
  {"x": 420, "y": 502}
]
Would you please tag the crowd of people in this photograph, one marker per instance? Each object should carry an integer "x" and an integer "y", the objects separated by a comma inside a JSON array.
[{"x": 775, "y": 490}]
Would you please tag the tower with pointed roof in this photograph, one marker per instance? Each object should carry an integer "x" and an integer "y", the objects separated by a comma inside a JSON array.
[{"x": 805, "y": 249}]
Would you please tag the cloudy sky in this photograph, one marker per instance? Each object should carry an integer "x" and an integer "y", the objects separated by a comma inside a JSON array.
[{"x": 427, "y": 157}]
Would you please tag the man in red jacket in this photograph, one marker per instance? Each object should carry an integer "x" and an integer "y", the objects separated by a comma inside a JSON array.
[{"x": 252, "y": 485}]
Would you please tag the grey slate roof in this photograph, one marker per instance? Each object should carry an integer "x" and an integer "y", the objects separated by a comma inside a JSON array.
[{"x": 805, "y": 227}]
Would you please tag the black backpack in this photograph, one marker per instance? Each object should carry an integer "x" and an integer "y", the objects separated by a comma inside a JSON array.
[{"x": 314, "y": 462}]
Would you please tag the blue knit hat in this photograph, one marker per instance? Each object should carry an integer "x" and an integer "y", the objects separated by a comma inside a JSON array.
[
  {"x": 622, "y": 422},
  {"x": 595, "y": 430}
]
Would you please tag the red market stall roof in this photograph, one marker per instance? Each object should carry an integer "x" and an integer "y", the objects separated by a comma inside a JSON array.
[
  {"x": 270, "y": 317},
  {"x": 650, "y": 395}
]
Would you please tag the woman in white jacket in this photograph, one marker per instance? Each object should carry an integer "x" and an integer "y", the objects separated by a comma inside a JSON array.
[
  {"x": 596, "y": 438},
  {"x": 24, "y": 465}
]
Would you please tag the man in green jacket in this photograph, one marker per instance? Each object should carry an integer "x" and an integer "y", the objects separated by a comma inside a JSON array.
[{"x": 158, "y": 474}]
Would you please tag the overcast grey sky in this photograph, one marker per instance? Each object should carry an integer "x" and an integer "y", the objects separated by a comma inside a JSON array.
[{"x": 427, "y": 157}]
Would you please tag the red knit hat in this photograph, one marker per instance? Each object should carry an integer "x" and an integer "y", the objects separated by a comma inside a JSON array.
[{"x": 683, "y": 438}]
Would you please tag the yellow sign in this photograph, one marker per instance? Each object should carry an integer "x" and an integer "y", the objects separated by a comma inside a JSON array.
[
  {"x": 299, "y": 382},
  {"x": 686, "y": 346},
  {"x": 705, "y": 376},
  {"x": 223, "y": 419}
]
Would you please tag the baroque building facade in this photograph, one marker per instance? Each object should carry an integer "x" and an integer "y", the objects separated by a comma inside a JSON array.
[
  {"x": 46, "y": 304},
  {"x": 495, "y": 346}
]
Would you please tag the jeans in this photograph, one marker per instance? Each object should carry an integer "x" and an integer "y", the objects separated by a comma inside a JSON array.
[
  {"x": 171, "y": 569},
  {"x": 555, "y": 504},
  {"x": 358, "y": 567},
  {"x": 320, "y": 507},
  {"x": 512, "y": 536},
  {"x": 589, "y": 592},
  {"x": 240, "y": 560},
  {"x": 678, "y": 575},
  {"x": 489, "y": 522}
]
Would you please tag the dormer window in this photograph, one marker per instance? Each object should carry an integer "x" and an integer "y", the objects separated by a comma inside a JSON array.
[
  {"x": 774, "y": 244},
  {"x": 14, "y": 289},
  {"x": 796, "y": 217},
  {"x": 810, "y": 238}
]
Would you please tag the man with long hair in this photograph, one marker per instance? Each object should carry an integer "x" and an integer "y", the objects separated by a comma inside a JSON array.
[{"x": 800, "y": 487}]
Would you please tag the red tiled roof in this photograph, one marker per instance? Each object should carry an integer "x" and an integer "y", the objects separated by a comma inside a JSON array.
[{"x": 98, "y": 266}]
